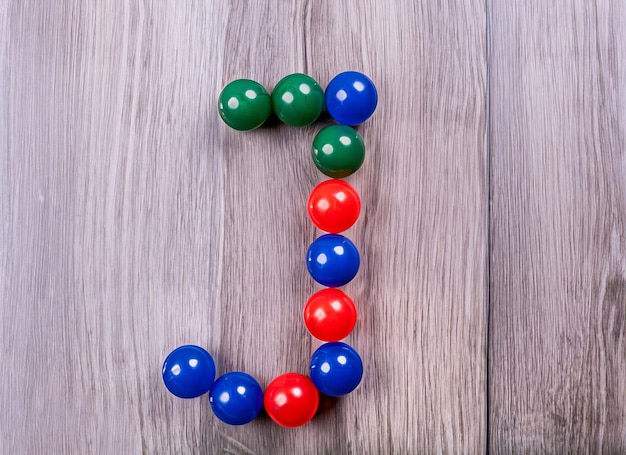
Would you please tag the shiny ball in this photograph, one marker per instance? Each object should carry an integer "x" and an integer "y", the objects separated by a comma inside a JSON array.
[
  {"x": 236, "y": 398},
  {"x": 298, "y": 100},
  {"x": 330, "y": 315},
  {"x": 334, "y": 206},
  {"x": 244, "y": 104},
  {"x": 351, "y": 98},
  {"x": 291, "y": 400},
  {"x": 336, "y": 369},
  {"x": 338, "y": 151},
  {"x": 332, "y": 260},
  {"x": 188, "y": 371}
]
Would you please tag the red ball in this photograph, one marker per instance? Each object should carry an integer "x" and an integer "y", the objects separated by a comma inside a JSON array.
[
  {"x": 334, "y": 206},
  {"x": 330, "y": 315},
  {"x": 291, "y": 400}
]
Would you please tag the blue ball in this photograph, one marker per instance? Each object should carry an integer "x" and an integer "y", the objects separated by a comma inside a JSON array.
[
  {"x": 188, "y": 371},
  {"x": 332, "y": 260},
  {"x": 236, "y": 398},
  {"x": 336, "y": 369},
  {"x": 351, "y": 98}
]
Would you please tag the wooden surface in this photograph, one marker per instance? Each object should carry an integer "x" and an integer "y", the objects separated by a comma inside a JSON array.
[
  {"x": 492, "y": 293},
  {"x": 557, "y": 344}
]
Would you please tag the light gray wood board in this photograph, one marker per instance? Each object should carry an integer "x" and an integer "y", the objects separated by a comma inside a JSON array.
[
  {"x": 135, "y": 221},
  {"x": 557, "y": 364}
]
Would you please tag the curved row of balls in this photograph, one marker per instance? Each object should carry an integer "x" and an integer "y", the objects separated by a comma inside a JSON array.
[{"x": 336, "y": 369}]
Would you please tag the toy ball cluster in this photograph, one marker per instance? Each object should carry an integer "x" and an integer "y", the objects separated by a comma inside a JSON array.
[{"x": 335, "y": 368}]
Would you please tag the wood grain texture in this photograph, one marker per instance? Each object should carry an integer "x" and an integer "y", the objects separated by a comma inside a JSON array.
[
  {"x": 134, "y": 221},
  {"x": 557, "y": 365}
]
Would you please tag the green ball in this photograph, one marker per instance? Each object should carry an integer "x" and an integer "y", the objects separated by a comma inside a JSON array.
[
  {"x": 298, "y": 100},
  {"x": 244, "y": 104},
  {"x": 338, "y": 151}
]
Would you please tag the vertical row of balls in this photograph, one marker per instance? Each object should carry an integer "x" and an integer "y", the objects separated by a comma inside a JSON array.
[{"x": 333, "y": 260}]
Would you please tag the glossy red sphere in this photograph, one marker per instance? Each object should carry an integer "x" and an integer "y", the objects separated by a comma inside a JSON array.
[
  {"x": 291, "y": 400},
  {"x": 334, "y": 206},
  {"x": 330, "y": 315}
]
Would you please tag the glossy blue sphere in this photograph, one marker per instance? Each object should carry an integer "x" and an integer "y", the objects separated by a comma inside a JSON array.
[
  {"x": 332, "y": 260},
  {"x": 188, "y": 371},
  {"x": 236, "y": 398},
  {"x": 336, "y": 369},
  {"x": 351, "y": 98}
]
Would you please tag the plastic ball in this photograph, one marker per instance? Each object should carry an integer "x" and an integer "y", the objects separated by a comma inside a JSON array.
[
  {"x": 291, "y": 400},
  {"x": 334, "y": 206},
  {"x": 244, "y": 104},
  {"x": 298, "y": 100},
  {"x": 351, "y": 98},
  {"x": 188, "y": 371},
  {"x": 332, "y": 260},
  {"x": 336, "y": 369},
  {"x": 236, "y": 398},
  {"x": 338, "y": 151},
  {"x": 330, "y": 315}
]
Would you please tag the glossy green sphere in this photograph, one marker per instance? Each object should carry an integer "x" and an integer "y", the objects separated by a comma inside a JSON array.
[
  {"x": 338, "y": 151},
  {"x": 298, "y": 100},
  {"x": 244, "y": 104}
]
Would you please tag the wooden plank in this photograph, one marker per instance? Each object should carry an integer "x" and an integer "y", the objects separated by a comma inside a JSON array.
[
  {"x": 557, "y": 357},
  {"x": 135, "y": 221}
]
